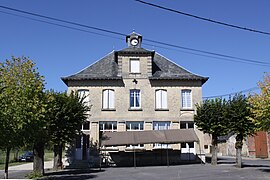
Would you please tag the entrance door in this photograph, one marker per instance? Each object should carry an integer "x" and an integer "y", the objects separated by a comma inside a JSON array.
[
  {"x": 82, "y": 147},
  {"x": 261, "y": 145},
  {"x": 85, "y": 146}
]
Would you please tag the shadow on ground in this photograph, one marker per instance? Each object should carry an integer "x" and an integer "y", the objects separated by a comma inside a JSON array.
[
  {"x": 265, "y": 170},
  {"x": 72, "y": 174},
  {"x": 220, "y": 160},
  {"x": 254, "y": 165}
]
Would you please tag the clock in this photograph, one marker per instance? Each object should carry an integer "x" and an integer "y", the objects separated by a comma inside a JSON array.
[{"x": 134, "y": 42}]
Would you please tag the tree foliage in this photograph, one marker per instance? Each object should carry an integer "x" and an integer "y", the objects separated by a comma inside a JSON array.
[
  {"x": 66, "y": 116},
  {"x": 21, "y": 87},
  {"x": 219, "y": 117},
  {"x": 210, "y": 118},
  {"x": 260, "y": 105},
  {"x": 239, "y": 122}
]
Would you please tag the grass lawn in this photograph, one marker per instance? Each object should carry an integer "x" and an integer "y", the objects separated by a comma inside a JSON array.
[
  {"x": 2, "y": 165},
  {"x": 47, "y": 157}
]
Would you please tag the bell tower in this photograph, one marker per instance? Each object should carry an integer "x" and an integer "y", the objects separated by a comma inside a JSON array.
[{"x": 134, "y": 40}]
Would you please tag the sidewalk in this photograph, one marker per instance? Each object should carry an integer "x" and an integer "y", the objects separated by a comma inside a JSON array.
[
  {"x": 29, "y": 166},
  {"x": 20, "y": 171}
]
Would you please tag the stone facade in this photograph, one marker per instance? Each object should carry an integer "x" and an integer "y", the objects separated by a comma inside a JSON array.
[{"x": 123, "y": 81}]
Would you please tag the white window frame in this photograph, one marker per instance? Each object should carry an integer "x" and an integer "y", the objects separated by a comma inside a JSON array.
[
  {"x": 108, "y": 99},
  {"x": 141, "y": 125},
  {"x": 134, "y": 65},
  {"x": 161, "y": 99},
  {"x": 134, "y": 93},
  {"x": 185, "y": 102},
  {"x": 107, "y": 130}
]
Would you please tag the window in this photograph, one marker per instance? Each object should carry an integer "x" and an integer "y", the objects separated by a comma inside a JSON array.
[
  {"x": 187, "y": 125},
  {"x": 86, "y": 126},
  {"x": 161, "y": 99},
  {"x": 108, "y": 99},
  {"x": 107, "y": 126},
  {"x": 187, "y": 145},
  {"x": 84, "y": 94},
  {"x": 161, "y": 125},
  {"x": 134, "y": 65},
  {"x": 134, "y": 126},
  {"x": 135, "y": 99},
  {"x": 186, "y": 99}
]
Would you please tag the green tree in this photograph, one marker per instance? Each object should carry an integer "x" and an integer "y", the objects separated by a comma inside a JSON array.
[
  {"x": 260, "y": 105},
  {"x": 210, "y": 118},
  {"x": 21, "y": 88},
  {"x": 238, "y": 113},
  {"x": 68, "y": 113}
]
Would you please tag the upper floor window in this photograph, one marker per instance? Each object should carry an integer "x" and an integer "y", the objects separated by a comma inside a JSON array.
[
  {"x": 84, "y": 94},
  {"x": 186, "y": 99},
  {"x": 161, "y": 99},
  {"x": 134, "y": 125},
  {"x": 135, "y": 98},
  {"x": 108, "y": 99},
  {"x": 134, "y": 65}
]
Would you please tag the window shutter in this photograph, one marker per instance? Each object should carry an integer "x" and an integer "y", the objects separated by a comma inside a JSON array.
[
  {"x": 158, "y": 99},
  {"x": 111, "y": 99},
  {"x": 105, "y": 99},
  {"x": 164, "y": 99}
]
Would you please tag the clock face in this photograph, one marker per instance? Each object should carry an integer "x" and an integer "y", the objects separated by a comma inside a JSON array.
[{"x": 134, "y": 42}]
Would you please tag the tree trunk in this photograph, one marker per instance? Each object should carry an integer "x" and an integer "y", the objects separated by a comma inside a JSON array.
[
  {"x": 238, "y": 147},
  {"x": 38, "y": 151},
  {"x": 214, "y": 150},
  {"x": 57, "y": 160},
  {"x": 6, "y": 164}
]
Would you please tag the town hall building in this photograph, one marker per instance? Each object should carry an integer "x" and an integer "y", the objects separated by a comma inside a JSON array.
[{"x": 140, "y": 102}]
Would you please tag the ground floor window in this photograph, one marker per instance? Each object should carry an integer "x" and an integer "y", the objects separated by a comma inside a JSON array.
[
  {"x": 107, "y": 126},
  {"x": 161, "y": 125},
  {"x": 135, "y": 126},
  {"x": 187, "y": 125}
]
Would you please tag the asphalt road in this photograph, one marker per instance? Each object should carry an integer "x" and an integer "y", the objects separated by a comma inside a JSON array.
[{"x": 253, "y": 169}]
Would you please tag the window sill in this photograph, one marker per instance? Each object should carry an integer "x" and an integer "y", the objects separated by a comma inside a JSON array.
[
  {"x": 133, "y": 73},
  {"x": 161, "y": 109},
  {"x": 187, "y": 109},
  {"x": 134, "y": 109},
  {"x": 108, "y": 109}
]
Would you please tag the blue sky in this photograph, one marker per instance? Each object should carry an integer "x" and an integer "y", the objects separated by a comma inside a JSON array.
[{"x": 59, "y": 51}]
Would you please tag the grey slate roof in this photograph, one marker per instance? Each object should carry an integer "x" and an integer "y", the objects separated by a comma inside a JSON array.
[
  {"x": 107, "y": 68},
  {"x": 166, "y": 69}
]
